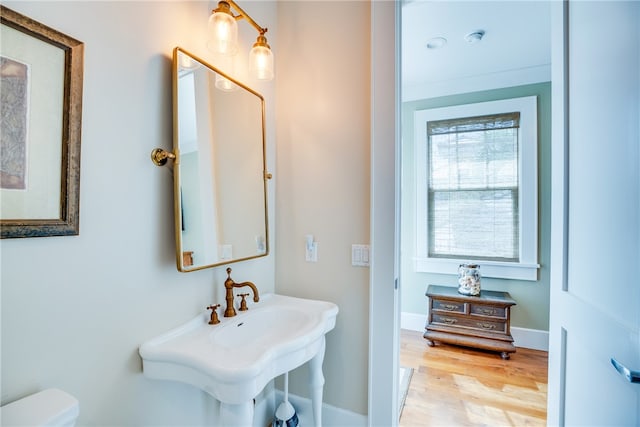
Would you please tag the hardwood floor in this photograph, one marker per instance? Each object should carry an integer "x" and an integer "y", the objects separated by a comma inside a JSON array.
[{"x": 456, "y": 386}]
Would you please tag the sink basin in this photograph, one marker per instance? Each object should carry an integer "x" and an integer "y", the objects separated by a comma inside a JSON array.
[
  {"x": 263, "y": 329},
  {"x": 235, "y": 359}
]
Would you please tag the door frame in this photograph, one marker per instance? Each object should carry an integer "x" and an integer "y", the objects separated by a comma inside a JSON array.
[
  {"x": 384, "y": 310},
  {"x": 559, "y": 206},
  {"x": 384, "y": 300}
]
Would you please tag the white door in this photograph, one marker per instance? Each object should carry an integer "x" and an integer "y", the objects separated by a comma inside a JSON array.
[{"x": 595, "y": 284}]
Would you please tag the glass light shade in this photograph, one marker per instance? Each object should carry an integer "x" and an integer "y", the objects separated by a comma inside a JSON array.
[
  {"x": 227, "y": 64},
  {"x": 186, "y": 63},
  {"x": 225, "y": 84},
  {"x": 223, "y": 33},
  {"x": 261, "y": 62}
]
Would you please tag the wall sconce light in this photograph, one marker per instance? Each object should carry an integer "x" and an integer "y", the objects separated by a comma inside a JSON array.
[{"x": 223, "y": 38}]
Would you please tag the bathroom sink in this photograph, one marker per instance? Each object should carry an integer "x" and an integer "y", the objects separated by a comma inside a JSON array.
[
  {"x": 262, "y": 329},
  {"x": 235, "y": 359}
]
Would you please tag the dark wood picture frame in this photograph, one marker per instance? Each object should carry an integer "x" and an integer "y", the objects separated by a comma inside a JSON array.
[{"x": 67, "y": 222}]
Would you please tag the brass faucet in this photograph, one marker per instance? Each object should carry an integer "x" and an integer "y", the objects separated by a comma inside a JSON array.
[
  {"x": 243, "y": 302},
  {"x": 229, "y": 284},
  {"x": 214, "y": 315}
]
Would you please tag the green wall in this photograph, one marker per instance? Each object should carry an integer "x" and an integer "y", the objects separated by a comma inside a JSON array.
[{"x": 532, "y": 310}]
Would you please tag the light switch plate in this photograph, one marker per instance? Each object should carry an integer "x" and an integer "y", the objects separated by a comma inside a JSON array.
[
  {"x": 360, "y": 255},
  {"x": 311, "y": 252},
  {"x": 226, "y": 252}
]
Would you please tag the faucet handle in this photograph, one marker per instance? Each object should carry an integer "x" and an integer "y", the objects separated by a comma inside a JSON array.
[
  {"x": 243, "y": 302},
  {"x": 214, "y": 314}
]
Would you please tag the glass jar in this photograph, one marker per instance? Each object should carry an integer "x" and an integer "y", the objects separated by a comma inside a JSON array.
[{"x": 469, "y": 279}]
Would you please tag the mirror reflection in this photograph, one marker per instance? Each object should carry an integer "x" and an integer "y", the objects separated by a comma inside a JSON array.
[{"x": 219, "y": 173}]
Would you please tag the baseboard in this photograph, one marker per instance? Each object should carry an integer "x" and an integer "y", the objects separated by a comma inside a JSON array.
[
  {"x": 413, "y": 321},
  {"x": 523, "y": 337},
  {"x": 530, "y": 338},
  {"x": 331, "y": 416}
]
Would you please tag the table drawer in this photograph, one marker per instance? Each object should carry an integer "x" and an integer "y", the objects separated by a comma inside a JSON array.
[
  {"x": 450, "y": 306},
  {"x": 488, "y": 310},
  {"x": 481, "y": 325}
]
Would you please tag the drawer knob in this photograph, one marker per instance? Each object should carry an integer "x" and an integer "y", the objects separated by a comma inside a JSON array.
[
  {"x": 486, "y": 326},
  {"x": 490, "y": 311},
  {"x": 449, "y": 321},
  {"x": 449, "y": 306}
]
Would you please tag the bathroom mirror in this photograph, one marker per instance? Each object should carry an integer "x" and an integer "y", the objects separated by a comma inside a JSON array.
[{"x": 219, "y": 167}]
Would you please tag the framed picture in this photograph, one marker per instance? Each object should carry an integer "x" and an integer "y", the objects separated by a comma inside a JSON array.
[{"x": 41, "y": 74}]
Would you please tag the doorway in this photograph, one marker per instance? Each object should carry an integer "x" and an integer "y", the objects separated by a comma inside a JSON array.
[{"x": 457, "y": 53}]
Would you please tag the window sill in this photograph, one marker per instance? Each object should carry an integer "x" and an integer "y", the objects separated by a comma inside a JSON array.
[{"x": 496, "y": 269}]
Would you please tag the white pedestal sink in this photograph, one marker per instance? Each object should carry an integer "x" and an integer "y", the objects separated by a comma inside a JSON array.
[{"x": 235, "y": 359}]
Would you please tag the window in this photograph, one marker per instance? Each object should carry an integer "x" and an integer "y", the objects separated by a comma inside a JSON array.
[{"x": 477, "y": 188}]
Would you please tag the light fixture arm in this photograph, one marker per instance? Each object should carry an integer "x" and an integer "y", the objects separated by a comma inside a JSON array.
[{"x": 243, "y": 14}]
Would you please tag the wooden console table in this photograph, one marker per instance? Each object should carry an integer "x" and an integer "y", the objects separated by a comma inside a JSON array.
[{"x": 481, "y": 322}]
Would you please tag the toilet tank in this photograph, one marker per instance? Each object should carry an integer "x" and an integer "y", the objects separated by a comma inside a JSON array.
[{"x": 48, "y": 408}]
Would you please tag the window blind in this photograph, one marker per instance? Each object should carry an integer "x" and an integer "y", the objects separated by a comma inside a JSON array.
[{"x": 473, "y": 187}]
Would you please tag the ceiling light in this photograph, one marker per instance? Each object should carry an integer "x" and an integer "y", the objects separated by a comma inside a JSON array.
[
  {"x": 436, "y": 43},
  {"x": 223, "y": 38},
  {"x": 475, "y": 36}
]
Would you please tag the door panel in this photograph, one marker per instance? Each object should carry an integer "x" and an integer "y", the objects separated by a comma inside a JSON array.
[
  {"x": 595, "y": 297},
  {"x": 603, "y": 156},
  {"x": 591, "y": 381}
]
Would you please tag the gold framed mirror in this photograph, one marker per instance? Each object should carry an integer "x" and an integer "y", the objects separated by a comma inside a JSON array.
[{"x": 220, "y": 191}]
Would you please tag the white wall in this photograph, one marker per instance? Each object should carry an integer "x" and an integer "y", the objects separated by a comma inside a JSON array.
[
  {"x": 323, "y": 180},
  {"x": 75, "y": 309}
]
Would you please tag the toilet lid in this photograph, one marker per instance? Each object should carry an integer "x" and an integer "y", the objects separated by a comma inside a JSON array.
[{"x": 51, "y": 407}]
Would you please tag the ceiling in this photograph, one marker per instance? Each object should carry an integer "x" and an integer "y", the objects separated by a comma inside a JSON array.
[{"x": 517, "y": 39}]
